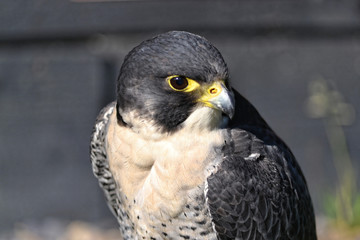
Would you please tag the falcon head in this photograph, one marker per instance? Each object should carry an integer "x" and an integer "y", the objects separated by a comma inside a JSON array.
[{"x": 172, "y": 81}]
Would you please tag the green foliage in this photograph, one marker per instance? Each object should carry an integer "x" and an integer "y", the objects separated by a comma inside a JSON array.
[
  {"x": 356, "y": 221},
  {"x": 343, "y": 207}
]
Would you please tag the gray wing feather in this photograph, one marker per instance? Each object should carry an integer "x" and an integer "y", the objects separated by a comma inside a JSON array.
[
  {"x": 98, "y": 157},
  {"x": 258, "y": 191},
  {"x": 100, "y": 167}
]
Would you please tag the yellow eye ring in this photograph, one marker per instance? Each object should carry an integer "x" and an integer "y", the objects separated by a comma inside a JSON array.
[{"x": 181, "y": 83}]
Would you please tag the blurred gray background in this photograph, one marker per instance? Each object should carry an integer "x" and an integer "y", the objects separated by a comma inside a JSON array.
[{"x": 59, "y": 60}]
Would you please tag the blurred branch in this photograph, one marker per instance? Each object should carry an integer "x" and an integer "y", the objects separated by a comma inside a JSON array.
[{"x": 328, "y": 104}]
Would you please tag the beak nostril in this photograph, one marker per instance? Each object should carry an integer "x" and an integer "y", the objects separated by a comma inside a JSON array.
[{"x": 213, "y": 90}]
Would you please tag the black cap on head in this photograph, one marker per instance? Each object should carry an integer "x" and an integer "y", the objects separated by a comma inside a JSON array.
[{"x": 141, "y": 85}]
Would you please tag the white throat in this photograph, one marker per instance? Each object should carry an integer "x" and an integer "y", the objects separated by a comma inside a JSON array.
[{"x": 202, "y": 119}]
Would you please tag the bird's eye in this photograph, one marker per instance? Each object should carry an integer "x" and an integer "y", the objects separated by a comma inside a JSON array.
[
  {"x": 182, "y": 84},
  {"x": 178, "y": 82}
]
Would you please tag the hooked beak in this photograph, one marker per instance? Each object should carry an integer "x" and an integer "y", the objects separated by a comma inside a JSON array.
[{"x": 219, "y": 97}]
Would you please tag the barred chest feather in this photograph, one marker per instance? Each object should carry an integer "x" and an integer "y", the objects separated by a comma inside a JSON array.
[{"x": 161, "y": 181}]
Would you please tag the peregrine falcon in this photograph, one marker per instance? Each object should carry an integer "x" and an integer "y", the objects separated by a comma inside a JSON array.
[{"x": 182, "y": 155}]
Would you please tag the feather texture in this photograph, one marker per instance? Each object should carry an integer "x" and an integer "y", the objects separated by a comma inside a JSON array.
[{"x": 259, "y": 191}]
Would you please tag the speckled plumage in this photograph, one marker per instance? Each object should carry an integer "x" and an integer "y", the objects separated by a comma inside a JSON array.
[{"x": 172, "y": 168}]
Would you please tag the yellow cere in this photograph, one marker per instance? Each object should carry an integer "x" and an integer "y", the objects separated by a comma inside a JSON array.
[
  {"x": 214, "y": 89},
  {"x": 191, "y": 84},
  {"x": 211, "y": 92}
]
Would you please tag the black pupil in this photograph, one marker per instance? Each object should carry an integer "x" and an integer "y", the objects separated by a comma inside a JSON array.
[{"x": 179, "y": 82}]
